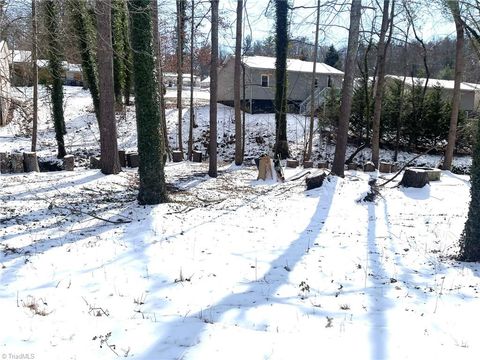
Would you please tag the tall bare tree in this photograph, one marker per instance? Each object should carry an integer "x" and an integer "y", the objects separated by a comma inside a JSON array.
[
  {"x": 380, "y": 83},
  {"x": 237, "y": 85},
  {"x": 34, "y": 76},
  {"x": 212, "y": 146},
  {"x": 454, "y": 8},
  {"x": 338, "y": 166},
  {"x": 180, "y": 45},
  {"x": 312, "y": 87},
  {"x": 192, "y": 113},
  {"x": 109, "y": 160}
]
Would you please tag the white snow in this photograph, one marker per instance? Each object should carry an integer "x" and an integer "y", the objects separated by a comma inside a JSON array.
[{"x": 230, "y": 268}]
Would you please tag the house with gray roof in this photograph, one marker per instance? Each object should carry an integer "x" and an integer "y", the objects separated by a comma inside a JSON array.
[{"x": 260, "y": 83}]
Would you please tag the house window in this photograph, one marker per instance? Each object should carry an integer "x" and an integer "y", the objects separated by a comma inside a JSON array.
[
  {"x": 329, "y": 83},
  {"x": 316, "y": 82},
  {"x": 264, "y": 80}
]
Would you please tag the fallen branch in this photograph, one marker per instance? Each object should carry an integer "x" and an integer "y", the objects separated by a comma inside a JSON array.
[{"x": 77, "y": 211}]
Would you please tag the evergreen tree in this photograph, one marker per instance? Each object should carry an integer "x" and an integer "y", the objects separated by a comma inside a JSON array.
[
  {"x": 281, "y": 48},
  {"x": 55, "y": 67},
  {"x": 85, "y": 33},
  {"x": 151, "y": 147},
  {"x": 332, "y": 57}
]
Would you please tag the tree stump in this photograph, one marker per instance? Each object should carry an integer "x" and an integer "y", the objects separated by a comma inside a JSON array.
[
  {"x": 30, "y": 162},
  {"x": 352, "y": 166},
  {"x": 265, "y": 171},
  {"x": 385, "y": 167},
  {"x": 416, "y": 178},
  {"x": 322, "y": 165},
  {"x": 315, "y": 181},
  {"x": 16, "y": 160},
  {"x": 433, "y": 174},
  {"x": 122, "y": 156},
  {"x": 308, "y": 164},
  {"x": 196, "y": 156},
  {"x": 4, "y": 163},
  {"x": 132, "y": 160},
  {"x": 369, "y": 167},
  {"x": 95, "y": 162},
  {"x": 177, "y": 156},
  {"x": 292, "y": 163},
  {"x": 68, "y": 162}
]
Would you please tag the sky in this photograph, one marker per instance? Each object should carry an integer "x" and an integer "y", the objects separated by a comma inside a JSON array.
[{"x": 432, "y": 23}]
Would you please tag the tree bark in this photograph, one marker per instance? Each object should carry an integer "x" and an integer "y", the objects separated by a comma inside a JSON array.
[
  {"x": 312, "y": 87},
  {"x": 380, "y": 85},
  {"x": 338, "y": 165},
  {"x": 110, "y": 163},
  {"x": 192, "y": 114},
  {"x": 459, "y": 66},
  {"x": 151, "y": 146},
  {"x": 34, "y": 77},
  {"x": 281, "y": 49},
  {"x": 180, "y": 40},
  {"x": 237, "y": 85},
  {"x": 30, "y": 162},
  {"x": 212, "y": 169}
]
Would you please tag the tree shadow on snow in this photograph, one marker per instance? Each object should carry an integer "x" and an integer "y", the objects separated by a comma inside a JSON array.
[{"x": 185, "y": 332}]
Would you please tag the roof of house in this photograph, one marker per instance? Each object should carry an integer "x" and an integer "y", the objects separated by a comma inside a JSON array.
[
  {"x": 446, "y": 84},
  {"x": 25, "y": 56},
  {"x": 294, "y": 65}
]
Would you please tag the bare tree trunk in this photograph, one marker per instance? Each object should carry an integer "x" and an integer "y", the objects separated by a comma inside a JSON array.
[
  {"x": 180, "y": 38},
  {"x": 158, "y": 66},
  {"x": 212, "y": 169},
  {"x": 192, "y": 115},
  {"x": 377, "y": 107},
  {"x": 338, "y": 165},
  {"x": 459, "y": 66},
  {"x": 110, "y": 163},
  {"x": 34, "y": 76},
  {"x": 236, "y": 86},
  {"x": 312, "y": 88}
]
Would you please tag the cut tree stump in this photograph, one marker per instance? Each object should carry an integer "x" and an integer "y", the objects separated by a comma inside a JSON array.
[
  {"x": 369, "y": 167},
  {"x": 196, "y": 156},
  {"x": 95, "y": 162},
  {"x": 68, "y": 162},
  {"x": 30, "y": 162},
  {"x": 177, "y": 156},
  {"x": 133, "y": 160},
  {"x": 315, "y": 181},
  {"x": 385, "y": 167},
  {"x": 292, "y": 163},
  {"x": 265, "y": 171},
  {"x": 352, "y": 166},
  {"x": 16, "y": 160},
  {"x": 416, "y": 178},
  {"x": 308, "y": 164},
  {"x": 4, "y": 163},
  {"x": 433, "y": 174},
  {"x": 322, "y": 165},
  {"x": 122, "y": 156}
]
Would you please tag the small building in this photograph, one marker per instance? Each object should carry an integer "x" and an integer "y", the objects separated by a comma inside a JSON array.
[
  {"x": 205, "y": 83},
  {"x": 260, "y": 83},
  {"x": 4, "y": 83},
  {"x": 21, "y": 70},
  {"x": 170, "y": 79},
  {"x": 469, "y": 92}
]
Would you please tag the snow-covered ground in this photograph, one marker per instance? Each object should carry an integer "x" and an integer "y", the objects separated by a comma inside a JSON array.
[{"x": 230, "y": 268}]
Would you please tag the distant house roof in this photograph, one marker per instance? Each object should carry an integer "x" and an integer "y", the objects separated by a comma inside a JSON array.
[
  {"x": 25, "y": 56},
  {"x": 294, "y": 65},
  {"x": 446, "y": 84}
]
